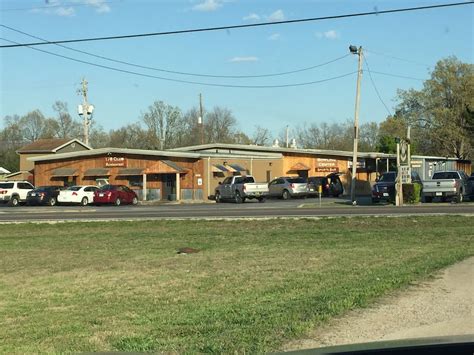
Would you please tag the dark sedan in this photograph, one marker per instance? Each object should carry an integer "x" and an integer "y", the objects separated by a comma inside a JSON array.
[
  {"x": 43, "y": 195},
  {"x": 115, "y": 194}
]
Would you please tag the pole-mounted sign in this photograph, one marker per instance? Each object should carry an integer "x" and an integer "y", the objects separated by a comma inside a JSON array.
[{"x": 403, "y": 167}]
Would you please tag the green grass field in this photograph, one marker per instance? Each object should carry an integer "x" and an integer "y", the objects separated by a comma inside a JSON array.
[{"x": 120, "y": 286}]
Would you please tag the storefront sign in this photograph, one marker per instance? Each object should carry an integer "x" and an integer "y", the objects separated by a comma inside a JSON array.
[
  {"x": 119, "y": 162},
  {"x": 360, "y": 164},
  {"x": 405, "y": 174},
  {"x": 329, "y": 169},
  {"x": 326, "y": 166}
]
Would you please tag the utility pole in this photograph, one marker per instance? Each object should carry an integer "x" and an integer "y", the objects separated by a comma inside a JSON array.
[
  {"x": 287, "y": 136},
  {"x": 200, "y": 120},
  {"x": 358, "y": 51},
  {"x": 85, "y": 110}
]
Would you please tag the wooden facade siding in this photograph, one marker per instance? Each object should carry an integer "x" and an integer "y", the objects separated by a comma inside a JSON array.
[{"x": 191, "y": 167}]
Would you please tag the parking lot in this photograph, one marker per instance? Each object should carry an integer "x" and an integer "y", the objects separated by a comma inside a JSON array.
[{"x": 302, "y": 208}]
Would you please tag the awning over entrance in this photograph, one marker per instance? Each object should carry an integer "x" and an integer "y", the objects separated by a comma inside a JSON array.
[
  {"x": 64, "y": 172},
  {"x": 165, "y": 167},
  {"x": 299, "y": 166},
  {"x": 97, "y": 172},
  {"x": 130, "y": 171},
  {"x": 237, "y": 168},
  {"x": 217, "y": 168},
  {"x": 231, "y": 168}
]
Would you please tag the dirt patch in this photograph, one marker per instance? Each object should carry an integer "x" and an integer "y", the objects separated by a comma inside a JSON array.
[{"x": 440, "y": 307}]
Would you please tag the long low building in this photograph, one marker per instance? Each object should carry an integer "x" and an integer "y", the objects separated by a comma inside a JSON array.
[{"x": 193, "y": 172}]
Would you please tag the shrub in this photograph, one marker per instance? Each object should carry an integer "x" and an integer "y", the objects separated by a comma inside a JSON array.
[{"x": 411, "y": 193}]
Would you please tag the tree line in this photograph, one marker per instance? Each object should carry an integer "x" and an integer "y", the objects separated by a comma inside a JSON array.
[{"x": 441, "y": 117}]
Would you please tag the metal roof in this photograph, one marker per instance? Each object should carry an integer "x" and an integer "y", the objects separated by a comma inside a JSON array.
[
  {"x": 130, "y": 171},
  {"x": 61, "y": 172},
  {"x": 97, "y": 172},
  {"x": 102, "y": 151},
  {"x": 220, "y": 148}
]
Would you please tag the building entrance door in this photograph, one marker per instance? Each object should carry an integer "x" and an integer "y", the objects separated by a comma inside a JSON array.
[
  {"x": 303, "y": 173},
  {"x": 169, "y": 187}
]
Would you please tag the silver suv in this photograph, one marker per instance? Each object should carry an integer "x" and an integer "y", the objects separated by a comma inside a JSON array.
[
  {"x": 287, "y": 187},
  {"x": 14, "y": 192}
]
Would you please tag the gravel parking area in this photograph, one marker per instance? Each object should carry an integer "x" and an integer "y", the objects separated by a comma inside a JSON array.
[{"x": 439, "y": 307}]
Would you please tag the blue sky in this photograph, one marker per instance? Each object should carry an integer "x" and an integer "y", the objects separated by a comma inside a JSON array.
[{"x": 33, "y": 80}]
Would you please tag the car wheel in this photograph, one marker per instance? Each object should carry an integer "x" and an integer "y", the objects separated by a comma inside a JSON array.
[
  {"x": 118, "y": 202},
  {"x": 238, "y": 198},
  {"x": 285, "y": 195},
  {"x": 134, "y": 201},
  {"x": 460, "y": 197},
  {"x": 84, "y": 201},
  {"x": 14, "y": 201},
  {"x": 428, "y": 199},
  {"x": 261, "y": 199},
  {"x": 52, "y": 201},
  {"x": 375, "y": 200},
  {"x": 218, "y": 197}
]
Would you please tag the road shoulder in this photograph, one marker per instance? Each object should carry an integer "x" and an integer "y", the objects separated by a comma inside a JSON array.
[{"x": 441, "y": 307}]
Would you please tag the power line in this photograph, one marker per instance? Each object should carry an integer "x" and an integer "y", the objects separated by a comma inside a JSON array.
[
  {"x": 179, "y": 72},
  {"x": 398, "y": 58},
  {"x": 260, "y": 24},
  {"x": 375, "y": 86},
  {"x": 398, "y": 76},
  {"x": 52, "y": 6},
  {"x": 187, "y": 81}
]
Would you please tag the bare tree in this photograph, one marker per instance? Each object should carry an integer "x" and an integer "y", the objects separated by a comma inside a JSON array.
[
  {"x": 261, "y": 136},
  {"x": 163, "y": 122},
  {"x": 33, "y": 125},
  {"x": 67, "y": 126},
  {"x": 130, "y": 136},
  {"x": 220, "y": 126}
]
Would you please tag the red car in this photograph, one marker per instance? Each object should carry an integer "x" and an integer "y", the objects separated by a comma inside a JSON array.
[{"x": 116, "y": 194}]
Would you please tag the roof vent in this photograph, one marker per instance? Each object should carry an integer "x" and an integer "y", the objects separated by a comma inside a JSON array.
[{"x": 293, "y": 144}]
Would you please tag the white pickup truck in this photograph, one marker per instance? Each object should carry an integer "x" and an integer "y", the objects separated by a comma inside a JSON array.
[
  {"x": 240, "y": 188},
  {"x": 447, "y": 185}
]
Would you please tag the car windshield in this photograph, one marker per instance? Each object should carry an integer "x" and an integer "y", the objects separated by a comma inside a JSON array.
[
  {"x": 388, "y": 177},
  {"x": 164, "y": 104},
  {"x": 108, "y": 188},
  {"x": 43, "y": 188},
  {"x": 297, "y": 180},
  {"x": 445, "y": 175},
  {"x": 74, "y": 188}
]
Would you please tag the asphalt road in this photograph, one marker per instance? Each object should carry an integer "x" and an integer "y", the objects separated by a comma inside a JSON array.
[{"x": 271, "y": 208}]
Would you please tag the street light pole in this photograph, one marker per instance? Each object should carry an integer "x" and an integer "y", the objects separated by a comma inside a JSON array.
[{"x": 358, "y": 51}]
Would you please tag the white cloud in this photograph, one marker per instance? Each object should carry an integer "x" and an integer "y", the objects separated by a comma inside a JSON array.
[
  {"x": 251, "y": 17},
  {"x": 274, "y": 37},
  {"x": 208, "y": 5},
  {"x": 331, "y": 34},
  {"x": 243, "y": 59},
  {"x": 278, "y": 15},
  {"x": 65, "y": 11},
  {"x": 55, "y": 7},
  {"x": 100, "y": 5}
]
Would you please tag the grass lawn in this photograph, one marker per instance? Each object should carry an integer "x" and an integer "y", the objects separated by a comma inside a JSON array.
[{"x": 120, "y": 286}]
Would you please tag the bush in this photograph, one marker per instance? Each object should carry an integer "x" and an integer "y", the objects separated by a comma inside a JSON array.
[{"x": 411, "y": 193}]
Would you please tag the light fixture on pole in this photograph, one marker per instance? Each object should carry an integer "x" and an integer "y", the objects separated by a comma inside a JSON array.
[
  {"x": 358, "y": 51},
  {"x": 85, "y": 110}
]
